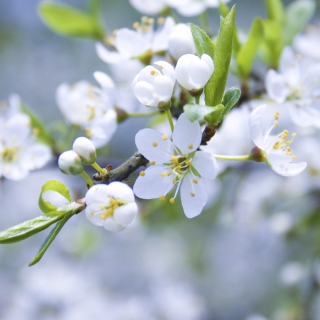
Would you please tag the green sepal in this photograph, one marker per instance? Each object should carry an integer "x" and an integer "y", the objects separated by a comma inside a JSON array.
[
  {"x": 202, "y": 41},
  {"x": 196, "y": 112},
  {"x": 298, "y": 13},
  {"x": 47, "y": 242},
  {"x": 230, "y": 98},
  {"x": 31, "y": 227},
  {"x": 68, "y": 21},
  {"x": 248, "y": 51},
  {"x": 214, "y": 89},
  {"x": 56, "y": 186},
  {"x": 41, "y": 133},
  {"x": 275, "y": 10}
]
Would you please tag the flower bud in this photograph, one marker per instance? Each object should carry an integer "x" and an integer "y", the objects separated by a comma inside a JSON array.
[
  {"x": 70, "y": 163},
  {"x": 85, "y": 150},
  {"x": 193, "y": 73},
  {"x": 153, "y": 86},
  {"x": 181, "y": 41}
]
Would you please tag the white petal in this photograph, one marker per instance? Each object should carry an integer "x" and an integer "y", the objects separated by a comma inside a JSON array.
[
  {"x": 290, "y": 169},
  {"x": 36, "y": 156},
  {"x": 193, "y": 196},
  {"x": 144, "y": 92},
  {"x": 151, "y": 144},
  {"x": 153, "y": 185},
  {"x": 107, "y": 56},
  {"x": 14, "y": 171},
  {"x": 93, "y": 217},
  {"x": 205, "y": 164},
  {"x": 97, "y": 194},
  {"x": 104, "y": 80},
  {"x": 199, "y": 74},
  {"x": 120, "y": 191},
  {"x": 163, "y": 88},
  {"x": 110, "y": 225},
  {"x": 160, "y": 39},
  {"x": 124, "y": 215},
  {"x": 276, "y": 86},
  {"x": 186, "y": 135}
]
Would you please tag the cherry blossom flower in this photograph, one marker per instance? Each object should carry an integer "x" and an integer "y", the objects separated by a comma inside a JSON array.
[
  {"x": 69, "y": 162},
  {"x": 274, "y": 149},
  {"x": 112, "y": 206},
  {"x": 154, "y": 85},
  {"x": 175, "y": 163},
  {"x": 90, "y": 107},
  {"x": 308, "y": 44},
  {"x": 297, "y": 85},
  {"x": 149, "y": 7},
  {"x": 193, "y": 73},
  {"x": 19, "y": 151}
]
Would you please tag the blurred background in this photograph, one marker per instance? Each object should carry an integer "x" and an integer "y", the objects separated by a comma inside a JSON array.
[{"x": 233, "y": 262}]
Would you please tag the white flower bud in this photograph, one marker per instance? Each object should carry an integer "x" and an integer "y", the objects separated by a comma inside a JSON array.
[
  {"x": 111, "y": 206},
  {"x": 193, "y": 73},
  {"x": 153, "y": 86},
  {"x": 181, "y": 41},
  {"x": 85, "y": 149},
  {"x": 70, "y": 163}
]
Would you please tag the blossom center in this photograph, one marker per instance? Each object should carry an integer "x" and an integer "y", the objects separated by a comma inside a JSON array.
[
  {"x": 283, "y": 144},
  {"x": 9, "y": 154},
  {"x": 108, "y": 210}
]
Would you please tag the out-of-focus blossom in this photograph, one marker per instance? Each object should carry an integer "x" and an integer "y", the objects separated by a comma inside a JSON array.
[
  {"x": 275, "y": 149},
  {"x": 173, "y": 163},
  {"x": 308, "y": 44},
  {"x": 181, "y": 41},
  {"x": 69, "y": 162},
  {"x": 193, "y": 7},
  {"x": 112, "y": 206},
  {"x": 298, "y": 85},
  {"x": 90, "y": 107},
  {"x": 151, "y": 7},
  {"x": 154, "y": 85},
  {"x": 193, "y": 73},
  {"x": 19, "y": 151},
  {"x": 292, "y": 273}
]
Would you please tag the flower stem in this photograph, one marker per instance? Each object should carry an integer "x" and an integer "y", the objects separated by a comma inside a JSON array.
[
  {"x": 87, "y": 178},
  {"x": 102, "y": 171},
  {"x": 143, "y": 114},
  {"x": 234, "y": 158},
  {"x": 197, "y": 99},
  {"x": 169, "y": 116}
]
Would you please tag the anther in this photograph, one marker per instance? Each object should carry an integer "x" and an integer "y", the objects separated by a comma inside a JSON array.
[
  {"x": 164, "y": 137},
  {"x": 142, "y": 173},
  {"x": 192, "y": 194},
  {"x": 190, "y": 146},
  {"x": 163, "y": 174},
  {"x": 154, "y": 144},
  {"x": 152, "y": 72},
  {"x": 195, "y": 181},
  {"x": 172, "y": 200},
  {"x": 162, "y": 198},
  {"x": 152, "y": 163}
]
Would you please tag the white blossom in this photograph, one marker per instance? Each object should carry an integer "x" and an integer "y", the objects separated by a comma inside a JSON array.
[
  {"x": 193, "y": 7},
  {"x": 19, "y": 151},
  {"x": 149, "y": 7},
  {"x": 85, "y": 149},
  {"x": 90, "y": 107},
  {"x": 112, "y": 206},
  {"x": 181, "y": 41},
  {"x": 297, "y": 85},
  {"x": 69, "y": 162},
  {"x": 175, "y": 163},
  {"x": 154, "y": 85},
  {"x": 275, "y": 149},
  {"x": 308, "y": 44},
  {"x": 193, "y": 73}
]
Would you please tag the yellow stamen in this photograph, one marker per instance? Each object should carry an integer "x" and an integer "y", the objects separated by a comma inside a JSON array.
[
  {"x": 188, "y": 163},
  {"x": 172, "y": 200},
  {"x": 152, "y": 163},
  {"x": 142, "y": 173},
  {"x": 169, "y": 173},
  {"x": 192, "y": 194},
  {"x": 162, "y": 198},
  {"x": 152, "y": 72},
  {"x": 164, "y": 137},
  {"x": 195, "y": 181},
  {"x": 154, "y": 144},
  {"x": 190, "y": 146},
  {"x": 163, "y": 174}
]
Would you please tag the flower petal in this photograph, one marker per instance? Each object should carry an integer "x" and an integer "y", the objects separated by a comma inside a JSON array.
[
  {"x": 193, "y": 196},
  {"x": 186, "y": 135},
  {"x": 153, "y": 185},
  {"x": 276, "y": 86},
  {"x": 111, "y": 225},
  {"x": 121, "y": 191},
  {"x": 152, "y": 145},
  {"x": 205, "y": 164},
  {"x": 124, "y": 215},
  {"x": 290, "y": 169}
]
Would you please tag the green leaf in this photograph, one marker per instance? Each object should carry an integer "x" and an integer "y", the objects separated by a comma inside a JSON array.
[
  {"x": 298, "y": 14},
  {"x": 202, "y": 41},
  {"x": 52, "y": 235},
  {"x": 214, "y": 90},
  {"x": 56, "y": 186},
  {"x": 196, "y": 112},
  {"x": 248, "y": 51},
  {"x": 42, "y": 134},
  {"x": 31, "y": 227},
  {"x": 275, "y": 10},
  {"x": 213, "y": 118},
  {"x": 271, "y": 47},
  {"x": 230, "y": 98},
  {"x": 68, "y": 21}
]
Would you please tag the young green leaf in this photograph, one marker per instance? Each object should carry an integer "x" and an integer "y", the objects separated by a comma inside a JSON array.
[
  {"x": 68, "y": 21},
  {"x": 230, "y": 98},
  {"x": 213, "y": 118},
  {"x": 275, "y": 10},
  {"x": 248, "y": 51},
  {"x": 298, "y": 13},
  {"x": 196, "y": 112},
  {"x": 38, "y": 127},
  {"x": 56, "y": 186},
  {"x": 52, "y": 235},
  {"x": 202, "y": 41},
  {"x": 31, "y": 227},
  {"x": 214, "y": 90}
]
